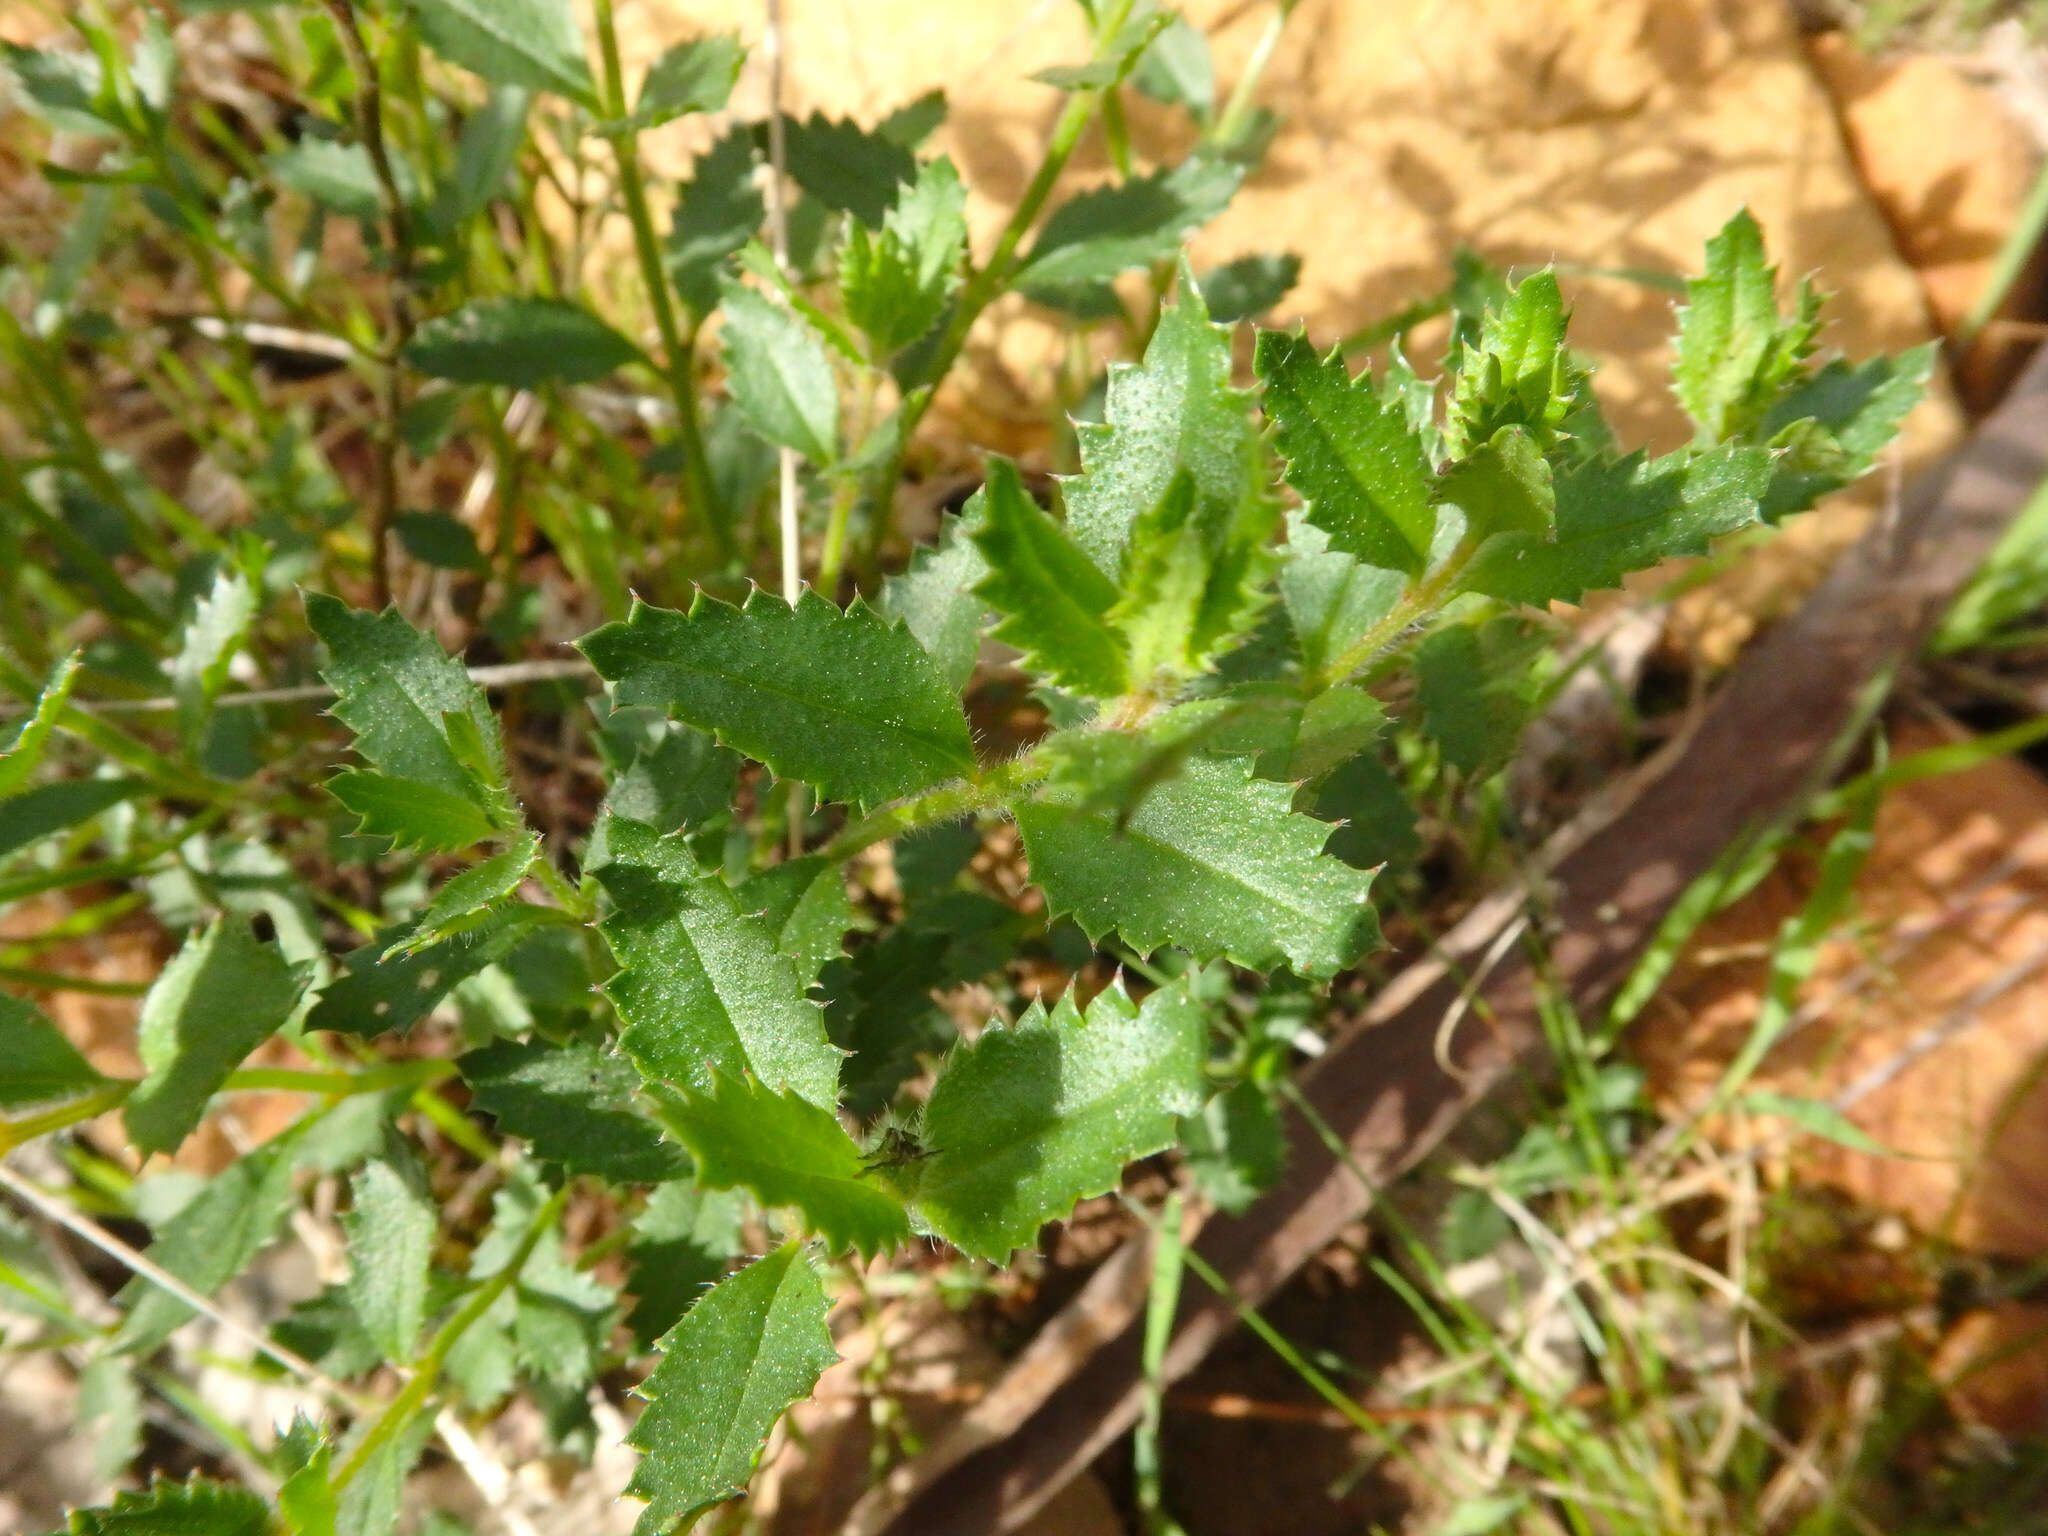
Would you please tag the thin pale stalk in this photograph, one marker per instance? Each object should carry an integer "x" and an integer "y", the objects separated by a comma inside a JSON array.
[
  {"x": 90, "y": 1232},
  {"x": 1231, "y": 121}
]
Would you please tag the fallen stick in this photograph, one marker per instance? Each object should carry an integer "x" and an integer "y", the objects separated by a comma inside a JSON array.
[{"x": 1384, "y": 1088}]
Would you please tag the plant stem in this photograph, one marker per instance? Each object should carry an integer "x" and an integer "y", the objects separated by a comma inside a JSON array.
[
  {"x": 391, "y": 396},
  {"x": 570, "y": 899},
  {"x": 832, "y": 559},
  {"x": 961, "y": 797},
  {"x": 679, "y": 357},
  {"x": 1231, "y": 121},
  {"x": 1418, "y": 601},
  {"x": 413, "y": 1397},
  {"x": 343, "y": 1085},
  {"x": 1159, "y": 1314},
  {"x": 18, "y": 1133},
  {"x": 331, "y": 1085}
]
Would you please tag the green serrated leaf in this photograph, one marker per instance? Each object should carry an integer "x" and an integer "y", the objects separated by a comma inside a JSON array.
[
  {"x": 36, "y": 1062},
  {"x": 718, "y": 211},
  {"x": 1517, "y": 373},
  {"x": 1472, "y": 683},
  {"x": 378, "y": 991},
  {"x": 306, "y": 1497},
  {"x": 1097, "y": 234},
  {"x": 695, "y": 75},
  {"x": 206, "y": 647},
  {"x": 1055, "y": 602},
  {"x": 1236, "y": 1148},
  {"x": 1298, "y": 738},
  {"x": 805, "y": 904},
  {"x": 789, "y": 1152},
  {"x": 879, "y": 1004},
  {"x": 1618, "y": 517},
  {"x": 534, "y": 43},
  {"x": 844, "y": 701},
  {"x": 664, "y": 773},
  {"x": 411, "y": 814},
  {"x": 1503, "y": 486},
  {"x": 1177, "y": 410},
  {"x": 31, "y": 734},
  {"x": 1332, "y": 599},
  {"x": 212, "y": 1239},
  {"x": 1858, "y": 407},
  {"x": 573, "y": 1105},
  {"x": 1735, "y": 353},
  {"x": 895, "y": 285},
  {"x": 1249, "y": 286},
  {"x": 681, "y": 1243},
  {"x": 195, "y": 1507},
  {"x": 391, "y": 1227},
  {"x": 521, "y": 343},
  {"x": 221, "y": 996},
  {"x": 458, "y": 904},
  {"x": 846, "y": 167},
  {"x": 1359, "y": 468},
  {"x": 395, "y": 688},
  {"x": 559, "y": 1315},
  {"x": 936, "y": 599},
  {"x": 1214, "y": 862},
  {"x": 1115, "y": 770},
  {"x": 753, "y": 1345},
  {"x": 702, "y": 985},
  {"x": 1033, "y": 1118},
  {"x": 421, "y": 722},
  {"x": 1193, "y": 583},
  {"x": 778, "y": 374}
]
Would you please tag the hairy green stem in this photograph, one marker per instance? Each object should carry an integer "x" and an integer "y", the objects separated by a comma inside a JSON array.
[
  {"x": 427, "y": 1372},
  {"x": 700, "y": 491},
  {"x": 961, "y": 797},
  {"x": 1418, "y": 602}
]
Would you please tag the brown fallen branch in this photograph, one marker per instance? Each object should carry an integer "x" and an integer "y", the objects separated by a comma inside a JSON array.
[{"x": 1385, "y": 1089}]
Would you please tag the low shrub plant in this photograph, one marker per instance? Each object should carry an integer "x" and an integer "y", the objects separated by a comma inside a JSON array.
[{"x": 654, "y": 932}]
